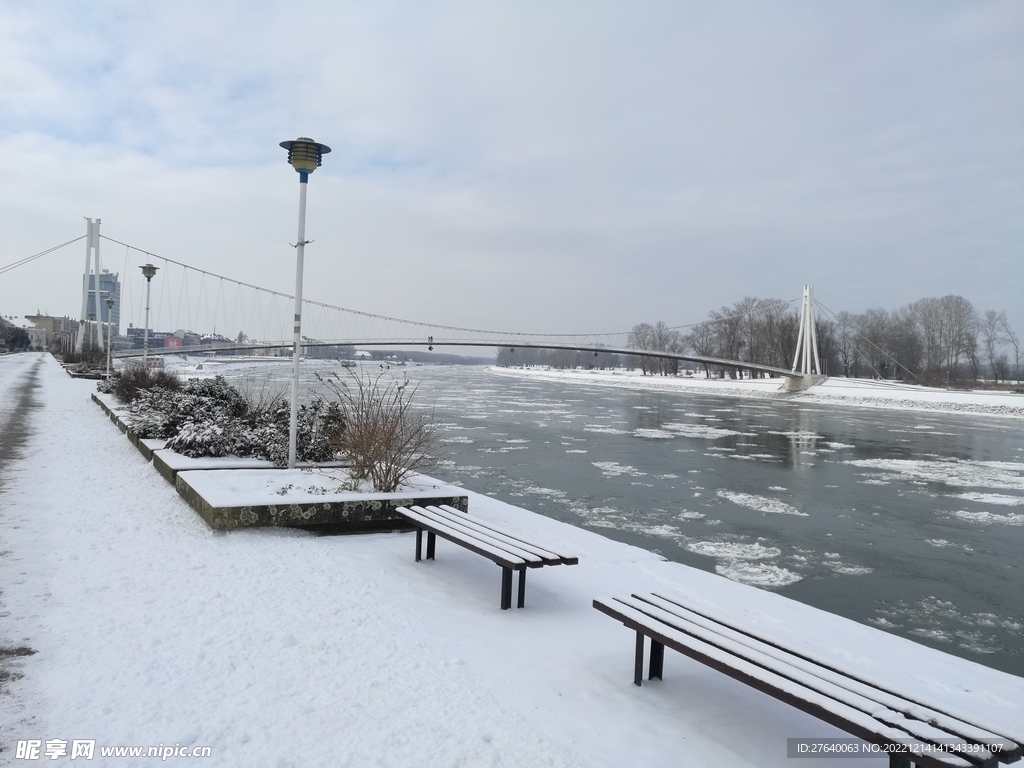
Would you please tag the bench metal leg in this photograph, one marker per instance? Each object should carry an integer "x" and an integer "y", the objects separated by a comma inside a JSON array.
[
  {"x": 506, "y": 588},
  {"x": 657, "y": 664},
  {"x": 522, "y": 587},
  {"x": 638, "y": 663},
  {"x": 419, "y": 543},
  {"x": 431, "y": 538},
  {"x": 900, "y": 761}
]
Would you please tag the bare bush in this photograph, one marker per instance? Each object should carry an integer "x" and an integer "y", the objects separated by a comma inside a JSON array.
[
  {"x": 385, "y": 438},
  {"x": 92, "y": 354},
  {"x": 135, "y": 377}
]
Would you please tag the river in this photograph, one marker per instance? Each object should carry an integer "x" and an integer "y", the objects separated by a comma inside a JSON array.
[{"x": 910, "y": 521}]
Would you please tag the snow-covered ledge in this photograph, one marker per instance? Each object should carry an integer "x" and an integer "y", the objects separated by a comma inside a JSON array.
[{"x": 316, "y": 499}]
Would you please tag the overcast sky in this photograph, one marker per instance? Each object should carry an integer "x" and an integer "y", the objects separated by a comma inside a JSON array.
[{"x": 534, "y": 166}]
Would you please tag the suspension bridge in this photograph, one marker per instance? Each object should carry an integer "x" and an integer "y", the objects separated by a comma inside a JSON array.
[{"x": 195, "y": 302}]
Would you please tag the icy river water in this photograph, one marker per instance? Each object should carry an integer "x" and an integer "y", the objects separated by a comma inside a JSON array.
[{"x": 909, "y": 521}]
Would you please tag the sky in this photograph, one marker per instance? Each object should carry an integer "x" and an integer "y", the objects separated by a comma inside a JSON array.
[{"x": 528, "y": 166}]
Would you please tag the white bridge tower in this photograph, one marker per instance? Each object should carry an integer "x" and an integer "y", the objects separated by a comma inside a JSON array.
[
  {"x": 92, "y": 246},
  {"x": 806, "y": 359}
]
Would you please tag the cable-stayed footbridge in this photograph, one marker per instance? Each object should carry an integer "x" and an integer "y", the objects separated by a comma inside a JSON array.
[{"x": 195, "y": 303}]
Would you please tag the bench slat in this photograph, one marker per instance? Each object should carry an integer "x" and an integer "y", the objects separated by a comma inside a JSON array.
[
  {"x": 943, "y": 716},
  {"x": 455, "y": 528},
  {"x": 797, "y": 695},
  {"x": 499, "y": 556},
  {"x": 513, "y": 537},
  {"x": 778, "y": 664},
  {"x": 463, "y": 519}
]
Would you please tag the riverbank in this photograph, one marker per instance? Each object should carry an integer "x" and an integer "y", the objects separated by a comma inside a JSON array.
[
  {"x": 277, "y": 647},
  {"x": 861, "y": 393}
]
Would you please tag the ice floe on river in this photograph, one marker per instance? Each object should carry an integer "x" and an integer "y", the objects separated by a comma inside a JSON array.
[
  {"x": 761, "y": 503},
  {"x": 1004, "y": 475}
]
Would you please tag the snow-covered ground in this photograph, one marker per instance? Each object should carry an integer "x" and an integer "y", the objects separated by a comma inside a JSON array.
[
  {"x": 854, "y": 392},
  {"x": 279, "y": 648}
]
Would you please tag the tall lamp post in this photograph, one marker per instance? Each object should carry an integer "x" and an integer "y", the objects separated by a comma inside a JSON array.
[
  {"x": 148, "y": 271},
  {"x": 305, "y": 156},
  {"x": 110, "y": 332}
]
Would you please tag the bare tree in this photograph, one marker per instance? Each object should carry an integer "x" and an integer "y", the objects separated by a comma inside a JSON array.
[
  {"x": 991, "y": 332},
  {"x": 702, "y": 341},
  {"x": 640, "y": 337},
  {"x": 385, "y": 437},
  {"x": 1014, "y": 341}
]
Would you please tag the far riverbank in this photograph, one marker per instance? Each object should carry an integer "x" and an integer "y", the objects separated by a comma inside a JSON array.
[{"x": 861, "y": 393}]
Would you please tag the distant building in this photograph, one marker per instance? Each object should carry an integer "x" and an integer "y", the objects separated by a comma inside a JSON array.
[
  {"x": 58, "y": 330},
  {"x": 109, "y": 286}
]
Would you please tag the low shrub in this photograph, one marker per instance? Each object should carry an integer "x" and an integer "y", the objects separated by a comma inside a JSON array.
[
  {"x": 134, "y": 378},
  {"x": 209, "y": 417}
]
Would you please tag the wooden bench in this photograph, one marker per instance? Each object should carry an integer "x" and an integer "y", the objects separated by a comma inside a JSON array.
[
  {"x": 505, "y": 548},
  {"x": 935, "y": 734}
]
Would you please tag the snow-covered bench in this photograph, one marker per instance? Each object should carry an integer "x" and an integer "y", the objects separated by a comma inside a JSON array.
[
  {"x": 505, "y": 548},
  {"x": 873, "y": 710}
]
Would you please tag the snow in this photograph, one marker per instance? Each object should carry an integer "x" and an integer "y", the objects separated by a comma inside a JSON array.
[
  {"x": 260, "y": 487},
  {"x": 864, "y": 393},
  {"x": 280, "y": 648}
]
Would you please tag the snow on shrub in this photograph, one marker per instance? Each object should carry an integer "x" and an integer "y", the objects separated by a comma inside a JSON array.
[{"x": 209, "y": 417}]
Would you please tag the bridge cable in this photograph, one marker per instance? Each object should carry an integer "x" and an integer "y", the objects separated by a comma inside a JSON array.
[
  {"x": 33, "y": 257},
  {"x": 865, "y": 338},
  {"x": 387, "y": 318}
]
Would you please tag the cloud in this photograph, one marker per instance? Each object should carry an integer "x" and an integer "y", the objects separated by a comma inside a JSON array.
[{"x": 539, "y": 166}]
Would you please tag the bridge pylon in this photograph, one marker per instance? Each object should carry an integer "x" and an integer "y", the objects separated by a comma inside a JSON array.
[
  {"x": 806, "y": 359},
  {"x": 90, "y": 284}
]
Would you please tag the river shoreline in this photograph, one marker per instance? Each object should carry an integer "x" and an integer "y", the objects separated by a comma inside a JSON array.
[{"x": 858, "y": 393}]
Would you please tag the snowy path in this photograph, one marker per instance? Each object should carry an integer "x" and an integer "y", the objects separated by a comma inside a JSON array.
[
  {"x": 17, "y": 381},
  {"x": 278, "y": 648}
]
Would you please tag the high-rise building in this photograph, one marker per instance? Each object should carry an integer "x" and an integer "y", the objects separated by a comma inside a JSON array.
[{"x": 109, "y": 286}]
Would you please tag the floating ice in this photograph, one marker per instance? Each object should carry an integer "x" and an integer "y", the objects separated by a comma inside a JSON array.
[
  {"x": 940, "y": 620},
  {"x": 614, "y": 469},
  {"x": 537, "y": 490},
  {"x": 732, "y": 550},
  {"x": 848, "y": 570},
  {"x": 700, "y": 430},
  {"x": 456, "y": 439},
  {"x": 757, "y": 574},
  {"x": 990, "y": 518},
  {"x": 992, "y": 498},
  {"x": 604, "y": 430},
  {"x": 656, "y": 434},
  {"x": 1004, "y": 475},
  {"x": 761, "y": 503}
]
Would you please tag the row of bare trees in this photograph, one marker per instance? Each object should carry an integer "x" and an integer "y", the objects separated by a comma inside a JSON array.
[
  {"x": 934, "y": 340},
  {"x": 940, "y": 341}
]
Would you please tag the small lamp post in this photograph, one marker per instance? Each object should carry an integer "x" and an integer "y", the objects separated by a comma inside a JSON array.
[
  {"x": 148, "y": 271},
  {"x": 305, "y": 156},
  {"x": 110, "y": 332}
]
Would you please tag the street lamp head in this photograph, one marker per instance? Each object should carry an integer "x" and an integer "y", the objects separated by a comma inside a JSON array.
[
  {"x": 110, "y": 302},
  {"x": 305, "y": 155},
  {"x": 149, "y": 271}
]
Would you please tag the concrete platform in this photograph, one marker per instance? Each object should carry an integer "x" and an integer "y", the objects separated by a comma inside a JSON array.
[{"x": 294, "y": 498}]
